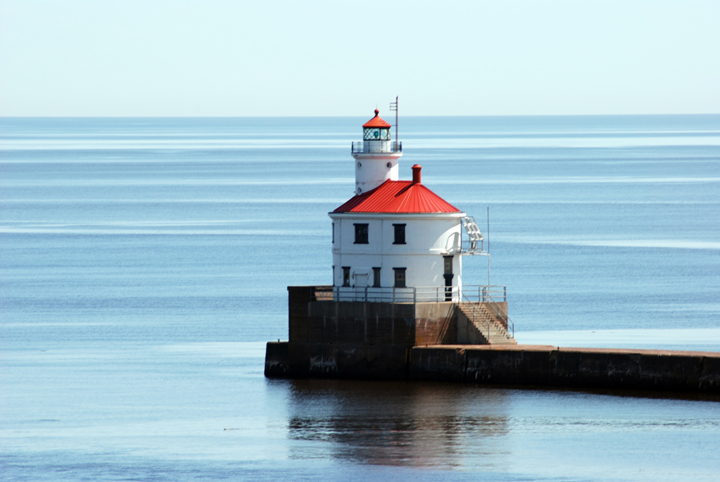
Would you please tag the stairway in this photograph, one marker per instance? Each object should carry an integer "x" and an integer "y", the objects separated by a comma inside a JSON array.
[{"x": 482, "y": 325}]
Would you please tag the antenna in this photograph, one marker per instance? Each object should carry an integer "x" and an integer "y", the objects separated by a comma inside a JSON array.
[
  {"x": 488, "y": 242},
  {"x": 394, "y": 108}
]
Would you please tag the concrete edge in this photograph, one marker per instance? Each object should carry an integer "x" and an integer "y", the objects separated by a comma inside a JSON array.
[{"x": 549, "y": 348}]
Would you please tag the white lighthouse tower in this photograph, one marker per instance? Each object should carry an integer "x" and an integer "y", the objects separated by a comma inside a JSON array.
[
  {"x": 396, "y": 240},
  {"x": 376, "y": 157}
]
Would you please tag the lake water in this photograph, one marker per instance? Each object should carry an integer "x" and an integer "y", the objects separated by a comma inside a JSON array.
[{"x": 144, "y": 263}]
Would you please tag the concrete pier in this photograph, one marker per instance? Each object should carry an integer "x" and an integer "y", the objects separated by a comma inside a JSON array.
[
  {"x": 447, "y": 341},
  {"x": 549, "y": 366},
  {"x": 526, "y": 365}
]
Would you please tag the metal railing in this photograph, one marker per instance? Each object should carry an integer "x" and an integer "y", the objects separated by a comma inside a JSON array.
[
  {"x": 485, "y": 293},
  {"x": 423, "y": 294},
  {"x": 362, "y": 148},
  {"x": 430, "y": 294},
  {"x": 479, "y": 319},
  {"x": 491, "y": 297},
  {"x": 493, "y": 304}
]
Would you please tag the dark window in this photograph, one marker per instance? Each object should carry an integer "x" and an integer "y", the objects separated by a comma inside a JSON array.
[
  {"x": 346, "y": 276},
  {"x": 399, "y": 234},
  {"x": 399, "y": 277},
  {"x": 361, "y": 234},
  {"x": 376, "y": 277},
  {"x": 448, "y": 265},
  {"x": 333, "y": 233}
]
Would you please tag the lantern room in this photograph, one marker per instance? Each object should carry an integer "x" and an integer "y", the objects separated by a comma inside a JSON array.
[{"x": 375, "y": 132}]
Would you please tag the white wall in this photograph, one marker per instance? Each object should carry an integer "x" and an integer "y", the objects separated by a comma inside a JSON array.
[
  {"x": 428, "y": 238},
  {"x": 370, "y": 172}
]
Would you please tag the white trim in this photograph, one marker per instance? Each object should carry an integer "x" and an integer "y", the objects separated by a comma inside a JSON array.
[{"x": 334, "y": 215}]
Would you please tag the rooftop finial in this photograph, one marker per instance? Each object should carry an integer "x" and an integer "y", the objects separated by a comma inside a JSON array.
[{"x": 377, "y": 112}]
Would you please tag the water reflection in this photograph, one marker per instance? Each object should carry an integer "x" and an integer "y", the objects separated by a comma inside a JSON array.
[{"x": 398, "y": 423}]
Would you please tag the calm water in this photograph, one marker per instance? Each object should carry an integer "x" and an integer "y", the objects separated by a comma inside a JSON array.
[{"x": 144, "y": 263}]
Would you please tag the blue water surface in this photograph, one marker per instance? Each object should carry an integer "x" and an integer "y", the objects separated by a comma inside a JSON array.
[{"x": 144, "y": 263}]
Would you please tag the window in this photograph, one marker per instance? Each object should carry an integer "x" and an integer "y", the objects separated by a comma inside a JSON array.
[
  {"x": 371, "y": 134},
  {"x": 448, "y": 262},
  {"x": 375, "y": 133},
  {"x": 361, "y": 234},
  {"x": 376, "y": 277},
  {"x": 399, "y": 277},
  {"x": 399, "y": 233},
  {"x": 333, "y": 233},
  {"x": 346, "y": 276},
  {"x": 448, "y": 265}
]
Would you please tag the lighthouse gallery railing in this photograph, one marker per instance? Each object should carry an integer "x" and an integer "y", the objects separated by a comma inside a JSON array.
[{"x": 361, "y": 148}]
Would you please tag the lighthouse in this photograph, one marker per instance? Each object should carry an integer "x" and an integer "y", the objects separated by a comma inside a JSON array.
[
  {"x": 397, "y": 281},
  {"x": 395, "y": 240}
]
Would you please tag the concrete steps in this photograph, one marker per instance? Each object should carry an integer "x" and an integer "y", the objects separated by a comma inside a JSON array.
[{"x": 484, "y": 326}]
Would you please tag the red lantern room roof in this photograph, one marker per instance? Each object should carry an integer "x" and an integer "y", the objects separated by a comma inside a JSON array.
[
  {"x": 376, "y": 121},
  {"x": 398, "y": 197}
]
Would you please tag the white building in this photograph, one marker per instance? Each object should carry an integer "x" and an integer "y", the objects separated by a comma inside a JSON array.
[{"x": 395, "y": 240}]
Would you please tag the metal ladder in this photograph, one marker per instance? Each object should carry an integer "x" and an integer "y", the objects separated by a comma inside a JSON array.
[{"x": 474, "y": 234}]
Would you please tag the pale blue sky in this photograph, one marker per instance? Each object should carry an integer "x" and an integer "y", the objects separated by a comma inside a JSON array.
[{"x": 290, "y": 58}]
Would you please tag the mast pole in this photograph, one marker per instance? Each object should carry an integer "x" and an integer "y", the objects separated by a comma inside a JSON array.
[
  {"x": 397, "y": 108},
  {"x": 394, "y": 107},
  {"x": 488, "y": 242}
]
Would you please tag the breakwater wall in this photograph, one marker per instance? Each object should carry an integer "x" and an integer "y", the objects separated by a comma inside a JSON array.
[
  {"x": 527, "y": 365},
  {"x": 439, "y": 342}
]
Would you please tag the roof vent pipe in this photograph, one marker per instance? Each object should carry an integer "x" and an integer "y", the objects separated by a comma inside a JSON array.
[{"x": 416, "y": 173}]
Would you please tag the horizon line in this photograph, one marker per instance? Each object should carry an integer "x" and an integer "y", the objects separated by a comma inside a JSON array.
[{"x": 326, "y": 116}]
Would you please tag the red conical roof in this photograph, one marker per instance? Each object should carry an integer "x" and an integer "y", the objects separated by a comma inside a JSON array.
[
  {"x": 376, "y": 121},
  {"x": 398, "y": 197}
]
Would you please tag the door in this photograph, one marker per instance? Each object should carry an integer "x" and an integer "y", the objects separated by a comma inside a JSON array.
[{"x": 448, "y": 274}]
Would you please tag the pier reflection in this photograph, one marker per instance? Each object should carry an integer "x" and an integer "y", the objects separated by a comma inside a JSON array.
[{"x": 398, "y": 423}]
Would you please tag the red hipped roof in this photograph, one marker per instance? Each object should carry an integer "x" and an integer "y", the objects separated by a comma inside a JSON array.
[
  {"x": 376, "y": 121},
  {"x": 398, "y": 197}
]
